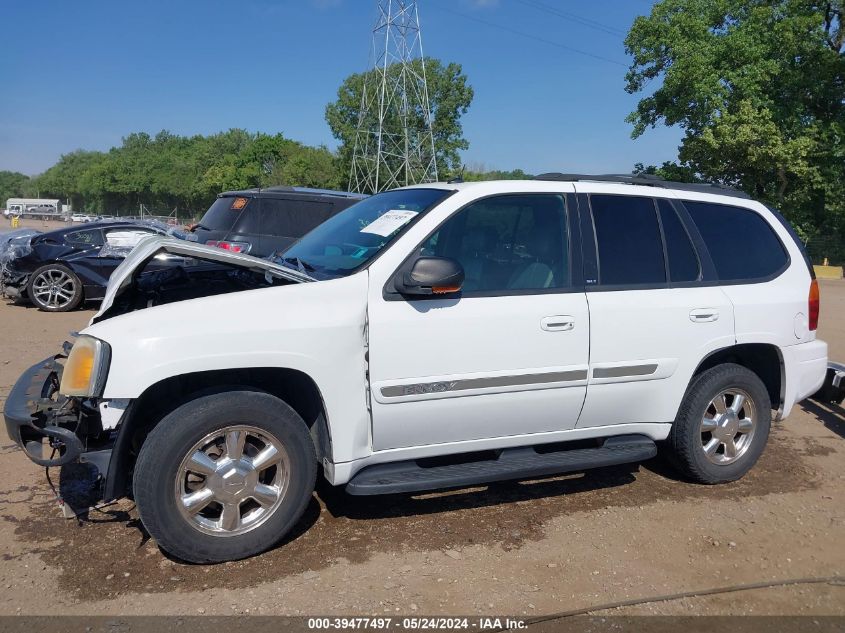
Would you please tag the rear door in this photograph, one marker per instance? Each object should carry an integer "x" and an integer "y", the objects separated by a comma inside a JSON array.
[
  {"x": 505, "y": 357},
  {"x": 655, "y": 308},
  {"x": 769, "y": 296}
]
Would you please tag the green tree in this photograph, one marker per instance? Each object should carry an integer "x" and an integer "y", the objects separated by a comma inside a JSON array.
[
  {"x": 65, "y": 179},
  {"x": 450, "y": 96},
  {"x": 479, "y": 172},
  {"x": 309, "y": 167},
  {"x": 13, "y": 184},
  {"x": 669, "y": 170},
  {"x": 758, "y": 86}
]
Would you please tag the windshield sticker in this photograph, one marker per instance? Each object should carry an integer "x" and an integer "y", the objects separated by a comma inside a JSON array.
[{"x": 389, "y": 223}]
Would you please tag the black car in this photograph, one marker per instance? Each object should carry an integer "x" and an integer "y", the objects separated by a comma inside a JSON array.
[
  {"x": 263, "y": 221},
  {"x": 60, "y": 269}
]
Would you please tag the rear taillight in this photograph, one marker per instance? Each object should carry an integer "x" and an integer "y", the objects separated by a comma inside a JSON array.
[
  {"x": 813, "y": 302},
  {"x": 235, "y": 247}
]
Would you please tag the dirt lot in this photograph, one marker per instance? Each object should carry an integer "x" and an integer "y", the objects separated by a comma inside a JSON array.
[
  {"x": 517, "y": 548},
  {"x": 40, "y": 225}
]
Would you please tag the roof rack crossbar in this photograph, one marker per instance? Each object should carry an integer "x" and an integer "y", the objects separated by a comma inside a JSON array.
[{"x": 647, "y": 180}]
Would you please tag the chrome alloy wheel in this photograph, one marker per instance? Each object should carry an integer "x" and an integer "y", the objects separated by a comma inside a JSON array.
[
  {"x": 232, "y": 480},
  {"x": 54, "y": 288},
  {"x": 727, "y": 427}
]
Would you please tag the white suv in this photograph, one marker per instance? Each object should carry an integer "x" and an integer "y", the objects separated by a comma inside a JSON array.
[{"x": 435, "y": 336}]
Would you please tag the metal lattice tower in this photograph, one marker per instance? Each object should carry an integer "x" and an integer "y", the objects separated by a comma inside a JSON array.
[{"x": 394, "y": 143}]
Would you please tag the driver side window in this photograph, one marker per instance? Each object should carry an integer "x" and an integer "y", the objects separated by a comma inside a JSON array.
[{"x": 508, "y": 242}]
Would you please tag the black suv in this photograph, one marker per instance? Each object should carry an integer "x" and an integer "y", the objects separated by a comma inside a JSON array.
[{"x": 263, "y": 221}]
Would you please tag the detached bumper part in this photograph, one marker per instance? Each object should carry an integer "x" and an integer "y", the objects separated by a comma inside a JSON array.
[
  {"x": 32, "y": 415},
  {"x": 833, "y": 389}
]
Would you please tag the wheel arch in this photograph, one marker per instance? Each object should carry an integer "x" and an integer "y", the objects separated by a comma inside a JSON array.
[
  {"x": 294, "y": 387},
  {"x": 764, "y": 359}
]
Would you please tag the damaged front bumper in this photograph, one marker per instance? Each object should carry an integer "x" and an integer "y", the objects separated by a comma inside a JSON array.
[
  {"x": 13, "y": 246},
  {"x": 51, "y": 429},
  {"x": 13, "y": 284}
]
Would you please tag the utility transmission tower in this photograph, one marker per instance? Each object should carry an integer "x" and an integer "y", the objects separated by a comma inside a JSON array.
[{"x": 394, "y": 143}]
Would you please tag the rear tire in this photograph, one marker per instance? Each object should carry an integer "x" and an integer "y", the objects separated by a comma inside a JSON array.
[
  {"x": 225, "y": 476},
  {"x": 722, "y": 425},
  {"x": 54, "y": 288}
]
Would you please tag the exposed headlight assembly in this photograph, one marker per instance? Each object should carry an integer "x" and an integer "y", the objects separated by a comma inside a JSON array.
[{"x": 86, "y": 368}]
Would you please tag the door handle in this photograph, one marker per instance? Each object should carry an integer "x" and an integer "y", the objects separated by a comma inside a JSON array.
[
  {"x": 560, "y": 323},
  {"x": 704, "y": 315}
]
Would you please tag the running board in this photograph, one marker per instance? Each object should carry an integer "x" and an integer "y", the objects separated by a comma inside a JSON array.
[{"x": 511, "y": 463}]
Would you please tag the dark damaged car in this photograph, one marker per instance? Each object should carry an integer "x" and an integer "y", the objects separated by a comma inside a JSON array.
[{"x": 60, "y": 269}]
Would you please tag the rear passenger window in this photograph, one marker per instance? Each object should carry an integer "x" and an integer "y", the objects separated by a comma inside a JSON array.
[
  {"x": 510, "y": 242},
  {"x": 741, "y": 243},
  {"x": 628, "y": 237},
  {"x": 683, "y": 262},
  {"x": 292, "y": 218}
]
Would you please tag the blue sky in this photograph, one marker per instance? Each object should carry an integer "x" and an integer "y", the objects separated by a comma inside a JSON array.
[{"x": 90, "y": 72}]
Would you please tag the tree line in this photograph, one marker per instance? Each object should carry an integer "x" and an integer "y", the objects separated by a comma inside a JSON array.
[{"x": 168, "y": 171}]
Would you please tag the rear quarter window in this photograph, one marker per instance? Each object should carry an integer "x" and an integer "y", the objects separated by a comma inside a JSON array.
[
  {"x": 90, "y": 237},
  {"x": 741, "y": 243},
  {"x": 225, "y": 211}
]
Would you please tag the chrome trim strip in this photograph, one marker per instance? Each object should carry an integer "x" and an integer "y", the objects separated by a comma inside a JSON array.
[
  {"x": 396, "y": 391},
  {"x": 624, "y": 371}
]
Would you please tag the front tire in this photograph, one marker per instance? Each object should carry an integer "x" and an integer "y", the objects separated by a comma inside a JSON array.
[
  {"x": 225, "y": 476},
  {"x": 54, "y": 288},
  {"x": 722, "y": 425}
]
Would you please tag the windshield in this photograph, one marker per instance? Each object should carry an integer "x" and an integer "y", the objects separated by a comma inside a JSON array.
[{"x": 354, "y": 236}]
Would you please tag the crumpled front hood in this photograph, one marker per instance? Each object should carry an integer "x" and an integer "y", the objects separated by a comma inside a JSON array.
[{"x": 157, "y": 246}]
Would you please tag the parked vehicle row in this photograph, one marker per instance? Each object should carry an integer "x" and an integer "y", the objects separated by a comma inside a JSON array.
[
  {"x": 435, "y": 336},
  {"x": 61, "y": 269},
  {"x": 49, "y": 212}
]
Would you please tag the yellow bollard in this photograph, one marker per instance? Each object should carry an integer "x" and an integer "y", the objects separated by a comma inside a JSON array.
[{"x": 16, "y": 222}]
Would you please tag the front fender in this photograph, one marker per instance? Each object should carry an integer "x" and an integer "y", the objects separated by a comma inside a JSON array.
[{"x": 315, "y": 328}]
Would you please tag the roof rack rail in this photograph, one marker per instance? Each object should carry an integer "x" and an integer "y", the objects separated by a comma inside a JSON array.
[
  {"x": 316, "y": 191},
  {"x": 648, "y": 180}
]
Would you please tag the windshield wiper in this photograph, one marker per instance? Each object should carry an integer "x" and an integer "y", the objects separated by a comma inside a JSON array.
[{"x": 301, "y": 265}]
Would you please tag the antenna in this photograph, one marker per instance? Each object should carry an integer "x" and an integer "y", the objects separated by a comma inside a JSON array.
[{"x": 394, "y": 142}]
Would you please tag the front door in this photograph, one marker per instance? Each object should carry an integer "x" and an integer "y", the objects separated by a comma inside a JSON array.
[{"x": 508, "y": 355}]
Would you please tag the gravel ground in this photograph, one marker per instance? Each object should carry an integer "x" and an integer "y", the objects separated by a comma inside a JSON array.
[{"x": 524, "y": 548}]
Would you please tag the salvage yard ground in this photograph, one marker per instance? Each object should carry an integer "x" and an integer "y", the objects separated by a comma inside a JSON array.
[{"x": 527, "y": 548}]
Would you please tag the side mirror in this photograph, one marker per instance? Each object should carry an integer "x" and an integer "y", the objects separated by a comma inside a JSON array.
[{"x": 432, "y": 276}]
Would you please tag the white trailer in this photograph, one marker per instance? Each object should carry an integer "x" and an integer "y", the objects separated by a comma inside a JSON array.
[{"x": 38, "y": 208}]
